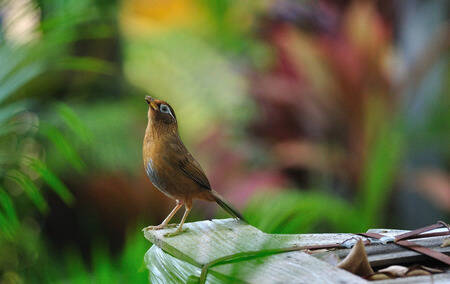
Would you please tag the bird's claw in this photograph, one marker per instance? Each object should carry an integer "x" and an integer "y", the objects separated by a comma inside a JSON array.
[
  {"x": 159, "y": 227},
  {"x": 152, "y": 228}
]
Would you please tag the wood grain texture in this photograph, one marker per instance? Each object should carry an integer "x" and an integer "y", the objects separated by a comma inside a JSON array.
[{"x": 388, "y": 254}]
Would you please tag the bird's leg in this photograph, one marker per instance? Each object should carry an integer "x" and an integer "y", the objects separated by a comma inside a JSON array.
[
  {"x": 166, "y": 221},
  {"x": 188, "y": 207}
]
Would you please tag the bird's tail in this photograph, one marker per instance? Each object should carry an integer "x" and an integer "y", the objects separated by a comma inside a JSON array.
[{"x": 227, "y": 207}]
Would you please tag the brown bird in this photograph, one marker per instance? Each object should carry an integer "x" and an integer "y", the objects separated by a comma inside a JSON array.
[{"x": 170, "y": 166}]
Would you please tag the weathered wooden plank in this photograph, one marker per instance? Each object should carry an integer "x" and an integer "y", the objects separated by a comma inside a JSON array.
[{"x": 388, "y": 254}]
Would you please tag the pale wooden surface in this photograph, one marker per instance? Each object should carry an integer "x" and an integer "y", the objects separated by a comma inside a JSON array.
[{"x": 174, "y": 259}]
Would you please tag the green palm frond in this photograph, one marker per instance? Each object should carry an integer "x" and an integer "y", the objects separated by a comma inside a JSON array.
[
  {"x": 23, "y": 64},
  {"x": 52, "y": 180},
  {"x": 31, "y": 190}
]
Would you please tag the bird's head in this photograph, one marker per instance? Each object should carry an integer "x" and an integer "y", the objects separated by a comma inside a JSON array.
[{"x": 160, "y": 113}]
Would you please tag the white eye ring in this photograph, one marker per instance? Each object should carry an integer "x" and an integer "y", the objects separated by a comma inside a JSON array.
[{"x": 164, "y": 108}]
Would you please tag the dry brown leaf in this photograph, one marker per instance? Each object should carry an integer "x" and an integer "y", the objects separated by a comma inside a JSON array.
[
  {"x": 445, "y": 243},
  {"x": 378, "y": 276},
  {"x": 417, "y": 272},
  {"x": 356, "y": 261},
  {"x": 429, "y": 269},
  {"x": 432, "y": 270},
  {"x": 395, "y": 270}
]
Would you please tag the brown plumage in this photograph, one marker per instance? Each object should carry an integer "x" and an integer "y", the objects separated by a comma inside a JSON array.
[{"x": 170, "y": 166}]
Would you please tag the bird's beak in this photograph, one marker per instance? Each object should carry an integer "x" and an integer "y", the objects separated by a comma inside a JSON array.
[{"x": 151, "y": 102}]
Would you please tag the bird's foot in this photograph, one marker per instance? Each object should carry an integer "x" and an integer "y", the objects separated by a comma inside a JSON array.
[
  {"x": 159, "y": 227},
  {"x": 176, "y": 233}
]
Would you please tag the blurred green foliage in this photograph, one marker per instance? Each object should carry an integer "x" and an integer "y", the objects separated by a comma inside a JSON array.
[
  {"x": 289, "y": 105},
  {"x": 24, "y": 256},
  {"x": 105, "y": 268}
]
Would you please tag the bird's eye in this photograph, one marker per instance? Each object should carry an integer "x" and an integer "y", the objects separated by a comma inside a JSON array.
[{"x": 164, "y": 108}]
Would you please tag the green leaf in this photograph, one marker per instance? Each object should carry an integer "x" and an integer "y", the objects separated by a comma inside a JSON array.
[
  {"x": 76, "y": 269},
  {"x": 8, "y": 217},
  {"x": 5, "y": 226},
  {"x": 30, "y": 189},
  {"x": 380, "y": 174},
  {"x": 102, "y": 265},
  {"x": 9, "y": 128},
  {"x": 63, "y": 146},
  {"x": 52, "y": 180},
  {"x": 8, "y": 207},
  {"x": 90, "y": 64},
  {"x": 10, "y": 59},
  {"x": 382, "y": 163},
  {"x": 19, "y": 78},
  {"x": 11, "y": 110},
  {"x": 132, "y": 264},
  {"x": 293, "y": 211},
  {"x": 192, "y": 279},
  {"x": 74, "y": 123}
]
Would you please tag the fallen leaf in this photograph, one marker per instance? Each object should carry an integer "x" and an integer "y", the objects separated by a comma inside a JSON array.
[
  {"x": 356, "y": 261},
  {"x": 445, "y": 243},
  {"x": 378, "y": 276},
  {"x": 395, "y": 270},
  {"x": 417, "y": 272},
  {"x": 432, "y": 270},
  {"x": 429, "y": 269}
]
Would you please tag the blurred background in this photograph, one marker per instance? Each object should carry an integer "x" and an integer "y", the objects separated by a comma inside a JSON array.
[{"x": 309, "y": 116}]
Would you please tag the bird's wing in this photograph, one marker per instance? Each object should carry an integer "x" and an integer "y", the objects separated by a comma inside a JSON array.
[
  {"x": 189, "y": 166},
  {"x": 192, "y": 169}
]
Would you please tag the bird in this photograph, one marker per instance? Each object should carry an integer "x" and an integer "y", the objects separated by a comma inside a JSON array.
[{"x": 172, "y": 169}]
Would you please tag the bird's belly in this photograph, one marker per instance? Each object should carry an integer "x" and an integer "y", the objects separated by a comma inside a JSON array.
[{"x": 156, "y": 179}]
